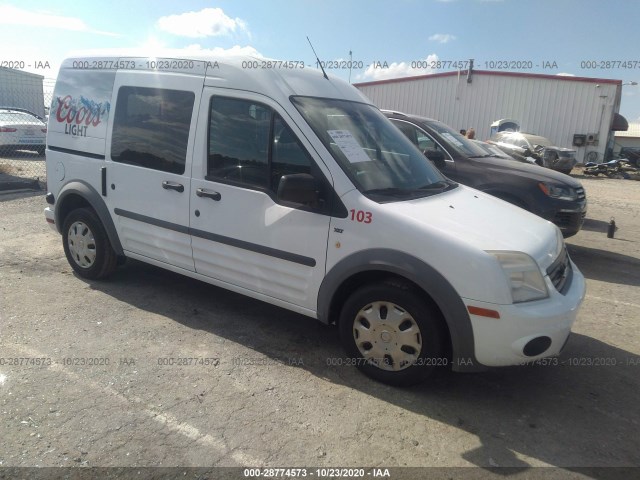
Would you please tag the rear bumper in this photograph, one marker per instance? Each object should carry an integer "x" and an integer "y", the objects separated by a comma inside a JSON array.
[{"x": 50, "y": 217}]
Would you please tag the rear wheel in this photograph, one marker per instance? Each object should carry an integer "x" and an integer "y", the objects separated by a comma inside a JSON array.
[
  {"x": 87, "y": 245},
  {"x": 392, "y": 334}
]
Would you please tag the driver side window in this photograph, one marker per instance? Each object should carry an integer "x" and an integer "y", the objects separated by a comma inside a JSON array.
[
  {"x": 238, "y": 141},
  {"x": 251, "y": 146}
]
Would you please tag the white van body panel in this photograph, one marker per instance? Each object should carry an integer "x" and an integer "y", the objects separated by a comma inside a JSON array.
[
  {"x": 249, "y": 243},
  {"x": 253, "y": 220},
  {"x": 135, "y": 191}
]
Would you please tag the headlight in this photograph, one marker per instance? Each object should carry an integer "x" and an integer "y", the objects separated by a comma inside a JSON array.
[
  {"x": 561, "y": 192},
  {"x": 559, "y": 244},
  {"x": 523, "y": 274}
]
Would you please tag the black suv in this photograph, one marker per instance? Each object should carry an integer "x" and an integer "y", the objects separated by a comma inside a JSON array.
[{"x": 554, "y": 196}]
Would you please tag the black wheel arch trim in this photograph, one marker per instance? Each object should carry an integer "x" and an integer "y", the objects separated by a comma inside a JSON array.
[
  {"x": 91, "y": 195},
  {"x": 426, "y": 277}
]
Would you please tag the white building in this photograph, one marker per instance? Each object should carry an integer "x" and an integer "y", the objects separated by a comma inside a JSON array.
[
  {"x": 630, "y": 138},
  {"x": 20, "y": 89},
  {"x": 556, "y": 107}
]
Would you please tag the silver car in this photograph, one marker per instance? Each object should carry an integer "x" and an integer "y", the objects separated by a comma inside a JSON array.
[{"x": 557, "y": 158}]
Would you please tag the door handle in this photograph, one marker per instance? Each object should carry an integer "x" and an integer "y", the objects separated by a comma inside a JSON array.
[
  {"x": 178, "y": 187},
  {"x": 201, "y": 192}
]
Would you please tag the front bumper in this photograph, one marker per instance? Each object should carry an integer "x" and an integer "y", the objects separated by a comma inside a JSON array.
[
  {"x": 504, "y": 341},
  {"x": 569, "y": 222}
]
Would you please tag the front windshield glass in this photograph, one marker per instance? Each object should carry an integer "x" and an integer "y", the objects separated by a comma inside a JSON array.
[
  {"x": 375, "y": 155},
  {"x": 463, "y": 145}
]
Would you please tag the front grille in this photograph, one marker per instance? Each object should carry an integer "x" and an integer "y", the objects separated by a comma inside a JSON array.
[
  {"x": 560, "y": 272},
  {"x": 581, "y": 194},
  {"x": 569, "y": 219}
]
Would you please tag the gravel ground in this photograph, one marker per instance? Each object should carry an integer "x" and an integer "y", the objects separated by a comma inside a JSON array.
[{"x": 261, "y": 392}]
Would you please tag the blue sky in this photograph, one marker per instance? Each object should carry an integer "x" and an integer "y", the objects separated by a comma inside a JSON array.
[{"x": 395, "y": 32}]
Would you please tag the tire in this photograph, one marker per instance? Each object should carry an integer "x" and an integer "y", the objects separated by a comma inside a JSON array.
[
  {"x": 87, "y": 245},
  {"x": 381, "y": 345}
]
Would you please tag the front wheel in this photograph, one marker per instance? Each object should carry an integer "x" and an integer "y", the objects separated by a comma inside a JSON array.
[
  {"x": 392, "y": 334},
  {"x": 87, "y": 245}
]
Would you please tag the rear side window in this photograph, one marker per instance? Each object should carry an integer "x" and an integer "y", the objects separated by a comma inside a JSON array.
[{"x": 151, "y": 128}]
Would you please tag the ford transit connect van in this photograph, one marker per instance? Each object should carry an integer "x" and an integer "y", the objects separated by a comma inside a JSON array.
[{"x": 291, "y": 187}]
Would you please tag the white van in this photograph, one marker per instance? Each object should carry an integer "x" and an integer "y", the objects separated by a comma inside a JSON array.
[{"x": 288, "y": 186}]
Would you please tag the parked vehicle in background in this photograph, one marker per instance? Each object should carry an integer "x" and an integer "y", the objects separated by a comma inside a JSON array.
[
  {"x": 520, "y": 154},
  {"x": 551, "y": 195},
  {"x": 632, "y": 154},
  {"x": 21, "y": 130},
  {"x": 495, "y": 151},
  {"x": 556, "y": 158},
  {"x": 616, "y": 168}
]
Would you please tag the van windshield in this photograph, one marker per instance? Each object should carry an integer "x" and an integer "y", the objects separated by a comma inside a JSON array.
[{"x": 381, "y": 162}]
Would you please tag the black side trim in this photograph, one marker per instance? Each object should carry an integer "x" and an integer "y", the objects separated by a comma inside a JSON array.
[
  {"x": 103, "y": 174},
  {"x": 253, "y": 247},
  {"x": 76, "y": 152},
  {"x": 153, "y": 221}
]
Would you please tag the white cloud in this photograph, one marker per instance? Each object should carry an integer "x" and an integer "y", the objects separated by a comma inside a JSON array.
[
  {"x": 563, "y": 74},
  {"x": 208, "y": 22},
  {"x": 10, "y": 15},
  {"x": 442, "y": 37},
  {"x": 236, "y": 50},
  {"x": 397, "y": 70}
]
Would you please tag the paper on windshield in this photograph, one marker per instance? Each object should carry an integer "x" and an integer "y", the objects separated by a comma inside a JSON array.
[
  {"x": 452, "y": 139},
  {"x": 349, "y": 146}
]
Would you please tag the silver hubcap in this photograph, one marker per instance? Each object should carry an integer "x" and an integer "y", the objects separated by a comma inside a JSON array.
[
  {"x": 387, "y": 336},
  {"x": 82, "y": 245}
]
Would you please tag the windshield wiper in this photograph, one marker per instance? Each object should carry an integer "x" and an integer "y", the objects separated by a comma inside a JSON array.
[
  {"x": 428, "y": 189},
  {"x": 393, "y": 191},
  {"x": 441, "y": 185},
  {"x": 480, "y": 156}
]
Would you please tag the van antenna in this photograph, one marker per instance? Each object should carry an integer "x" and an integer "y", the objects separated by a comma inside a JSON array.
[{"x": 317, "y": 59}]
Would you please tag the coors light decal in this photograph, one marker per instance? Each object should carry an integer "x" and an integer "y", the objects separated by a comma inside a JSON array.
[
  {"x": 81, "y": 103},
  {"x": 79, "y": 114}
]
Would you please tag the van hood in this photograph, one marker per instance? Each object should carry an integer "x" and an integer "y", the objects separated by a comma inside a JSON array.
[{"x": 484, "y": 222}]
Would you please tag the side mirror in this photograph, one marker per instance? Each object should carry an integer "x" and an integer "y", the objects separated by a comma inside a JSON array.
[
  {"x": 298, "y": 188},
  {"x": 437, "y": 157}
]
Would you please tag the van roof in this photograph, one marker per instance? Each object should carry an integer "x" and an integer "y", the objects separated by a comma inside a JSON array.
[{"x": 274, "y": 78}]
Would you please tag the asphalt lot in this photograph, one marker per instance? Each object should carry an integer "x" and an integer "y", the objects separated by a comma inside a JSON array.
[{"x": 260, "y": 391}]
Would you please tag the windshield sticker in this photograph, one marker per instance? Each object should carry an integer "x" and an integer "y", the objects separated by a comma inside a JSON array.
[
  {"x": 452, "y": 139},
  {"x": 349, "y": 146}
]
